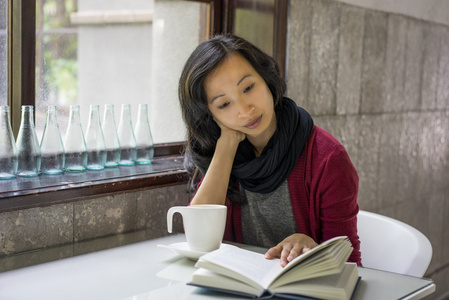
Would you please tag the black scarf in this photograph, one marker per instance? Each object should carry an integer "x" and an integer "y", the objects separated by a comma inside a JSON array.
[{"x": 264, "y": 174}]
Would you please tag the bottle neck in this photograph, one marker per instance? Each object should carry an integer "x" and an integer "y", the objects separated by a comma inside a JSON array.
[
  {"x": 142, "y": 115},
  {"x": 52, "y": 118},
  {"x": 74, "y": 116},
  {"x": 94, "y": 119},
  {"x": 109, "y": 113},
  {"x": 126, "y": 114},
  {"x": 27, "y": 116},
  {"x": 4, "y": 117}
]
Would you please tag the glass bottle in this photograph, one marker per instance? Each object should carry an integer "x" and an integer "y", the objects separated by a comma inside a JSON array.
[
  {"x": 74, "y": 143},
  {"x": 96, "y": 148},
  {"x": 144, "y": 139},
  {"x": 111, "y": 137},
  {"x": 126, "y": 137},
  {"x": 52, "y": 148},
  {"x": 29, "y": 151},
  {"x": 8, "y": 149}
]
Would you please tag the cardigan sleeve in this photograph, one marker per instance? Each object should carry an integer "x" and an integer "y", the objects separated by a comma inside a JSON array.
[{"x": 334, "y": 190}]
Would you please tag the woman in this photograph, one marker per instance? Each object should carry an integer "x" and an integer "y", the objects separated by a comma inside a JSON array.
[{"x": 287, "y": 183}]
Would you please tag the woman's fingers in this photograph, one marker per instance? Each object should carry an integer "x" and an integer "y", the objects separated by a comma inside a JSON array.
[{"x": 290, "y": 248}]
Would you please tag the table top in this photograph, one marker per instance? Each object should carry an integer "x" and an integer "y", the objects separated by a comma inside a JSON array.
[{"x": 143, "y": 271}]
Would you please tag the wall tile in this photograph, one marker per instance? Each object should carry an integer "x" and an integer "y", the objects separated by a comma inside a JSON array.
[
  {"x": 103, "y": 216},
  {"x": 388, "y": 160},
  {"x": 374, "y": 53},
  {"x": 35, "y": 228},
  {"x": 395, "y": 63},
  {"x": 414, "y": 51},
  {"x": 408, "y": 157},
  {"x": 434, "y": 153},
  {"x": 323, "y": 58},
  {"x": 435, "y": 232},
  {"x": 430, "y": 66},
  {"x": 110, "y": 241},
  {"x": 367, "y": 162},
  {"x": 152, "y": 207},
  {"x": 443, "y": 70},
  {"x": 31, "y": 258},
  {"x": 349, "y": 60},
  {"x": 299, "y": 28},
  {"x": 445, "y": 242}
]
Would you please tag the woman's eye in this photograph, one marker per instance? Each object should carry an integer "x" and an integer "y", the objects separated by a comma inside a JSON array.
[
  {"x": 223, "y": 105},
  {"x": 248, "y": 88}
]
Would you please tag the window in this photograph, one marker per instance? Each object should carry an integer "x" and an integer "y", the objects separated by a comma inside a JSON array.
[
  {"x": 254, "y": 21},
  {"x": 3, "y": 52},
  {"x": 122, "y": 51},
  {"x": 112, "y": 51}
]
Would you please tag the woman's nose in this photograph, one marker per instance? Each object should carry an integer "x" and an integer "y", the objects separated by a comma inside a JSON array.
[{"x": 246, "y": 108}]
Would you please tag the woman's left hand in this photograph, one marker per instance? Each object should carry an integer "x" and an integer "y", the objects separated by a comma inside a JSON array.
[{"x": 291, "y": 247}]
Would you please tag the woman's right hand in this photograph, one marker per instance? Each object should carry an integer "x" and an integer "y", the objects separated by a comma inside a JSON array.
[{"x": 230, "y": 135}]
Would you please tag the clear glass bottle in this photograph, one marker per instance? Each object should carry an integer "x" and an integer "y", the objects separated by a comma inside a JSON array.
[
  {"x": 52, "y": 148},
  {"x": 29, "y": 151},
  {"x": 126, "y": 137},
  {"x": 96, "y": 147},
  {"x": 111, "y": 137},
  {"x": 144, "y": 139},
  {"x": 8, "y": 149},
  {"x": 74, "y": 143}
]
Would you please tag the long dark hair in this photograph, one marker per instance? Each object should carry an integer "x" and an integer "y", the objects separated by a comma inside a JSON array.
[{"x": 202, "y": 131}]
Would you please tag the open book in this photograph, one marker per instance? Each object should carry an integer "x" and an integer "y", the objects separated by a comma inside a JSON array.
[{"x": 319, "y": 273}]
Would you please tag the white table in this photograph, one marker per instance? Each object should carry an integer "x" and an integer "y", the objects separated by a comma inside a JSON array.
[{"x": 143, "y": 271}]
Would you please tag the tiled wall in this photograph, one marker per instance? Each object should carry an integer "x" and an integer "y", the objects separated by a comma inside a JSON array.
[
  {"x": 43, "y": 227},
  {"x": 379, "y": 82}
]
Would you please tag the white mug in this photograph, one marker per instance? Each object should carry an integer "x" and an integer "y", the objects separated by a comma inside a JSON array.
[{"x": 204, "y": 225}]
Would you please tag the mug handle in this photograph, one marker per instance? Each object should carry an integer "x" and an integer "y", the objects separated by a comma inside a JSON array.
[{"x": 171, "y": 211}]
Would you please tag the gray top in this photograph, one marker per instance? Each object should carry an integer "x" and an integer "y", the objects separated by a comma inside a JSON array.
[{"x": 268, "y": 218}]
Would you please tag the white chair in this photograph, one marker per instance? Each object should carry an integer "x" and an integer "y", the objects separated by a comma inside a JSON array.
[{"x": 391, "y": 245}]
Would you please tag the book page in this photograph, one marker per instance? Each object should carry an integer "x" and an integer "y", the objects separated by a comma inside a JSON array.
[
  {"x": 251, "y": 265},
  {"x": 206, "y": 278},
  {"x": 337, "y": 286}
]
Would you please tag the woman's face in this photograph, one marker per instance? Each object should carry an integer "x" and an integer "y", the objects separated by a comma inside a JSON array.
[{"x": 239, "y": 98}]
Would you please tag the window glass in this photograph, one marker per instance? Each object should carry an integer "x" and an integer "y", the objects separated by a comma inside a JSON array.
[
  {"x": 3, "y": 52},
  {"x": 119, "y": 52},
  {"x": 254, "y": 21}
]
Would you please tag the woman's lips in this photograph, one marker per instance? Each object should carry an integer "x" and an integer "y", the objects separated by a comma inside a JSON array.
[{"x": 254, "y": 124}]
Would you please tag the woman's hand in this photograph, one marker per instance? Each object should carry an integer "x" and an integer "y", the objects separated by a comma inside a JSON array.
[
  {"x": 291, "y": 247},
  {"x": 230, "y": 135}
]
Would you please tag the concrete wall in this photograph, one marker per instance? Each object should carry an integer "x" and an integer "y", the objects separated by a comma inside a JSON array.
[
  {"x": 429, "y": 10},
  {"x": 176, "y": 33},
  {"x": 379, "y": 82},
  {"x": 31, "y": 229}
]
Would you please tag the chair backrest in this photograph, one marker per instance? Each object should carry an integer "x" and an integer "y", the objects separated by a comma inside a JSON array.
[{"x": 391, "y": 245}]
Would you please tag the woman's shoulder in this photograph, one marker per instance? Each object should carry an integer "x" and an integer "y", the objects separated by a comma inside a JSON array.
[
  {"x": 322, "y": 142},
  {"x": 325, "y": 152}
]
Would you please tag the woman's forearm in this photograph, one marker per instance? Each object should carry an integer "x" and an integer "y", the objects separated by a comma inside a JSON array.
[{"x": 214, "y": 186}]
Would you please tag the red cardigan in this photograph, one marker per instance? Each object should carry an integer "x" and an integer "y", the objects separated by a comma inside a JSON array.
[{"x": 323, "y": 190}]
